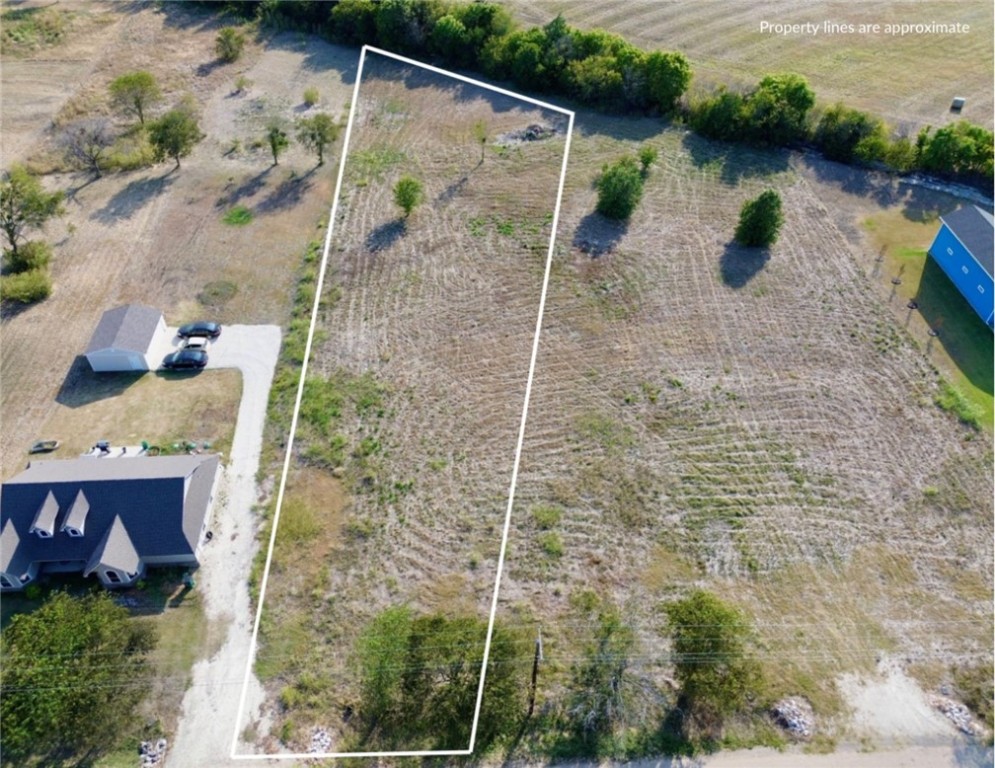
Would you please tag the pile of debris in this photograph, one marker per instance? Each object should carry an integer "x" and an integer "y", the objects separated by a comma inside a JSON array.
[
  {"x": 957, "y": 713},
  {"x": 321, "y": 741},
  {"x": 795, "y": 716},
  {"x": 534, "y": 132},
  {"x": 152, "y": 753}
]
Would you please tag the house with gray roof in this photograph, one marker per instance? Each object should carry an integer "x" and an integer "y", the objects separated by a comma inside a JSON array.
[
  {"x": 112, "y": 517},
  {"x": 128, "y": 338}
]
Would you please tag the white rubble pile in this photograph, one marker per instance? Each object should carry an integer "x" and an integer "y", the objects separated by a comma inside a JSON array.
[
  {"x": 152, "y": 753},
  {"x": 795, "y": 716},
  {"x": 321, "y": 741},
  {"x": 957, "y": 713}
]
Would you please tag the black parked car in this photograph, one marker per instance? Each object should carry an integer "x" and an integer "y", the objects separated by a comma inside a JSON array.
[
  {"x": 200, "y": 328},
  {"x": 185, "y": 358}
]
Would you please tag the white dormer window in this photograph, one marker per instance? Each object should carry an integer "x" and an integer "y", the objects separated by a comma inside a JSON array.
[{"x": 74, "y": 533}]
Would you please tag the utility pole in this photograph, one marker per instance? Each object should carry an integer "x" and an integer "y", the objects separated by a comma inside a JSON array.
[{"x": 535, "y": 673}]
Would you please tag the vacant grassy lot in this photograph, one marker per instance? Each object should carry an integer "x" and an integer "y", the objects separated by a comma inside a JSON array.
[
  {"x": 416, "y": 390},
  {"x": 909, "y": 81},
  {"x": 758, "y": 423}
]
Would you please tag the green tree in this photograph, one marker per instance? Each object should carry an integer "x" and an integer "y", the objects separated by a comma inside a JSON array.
[
  {"x": 760, "y": 220},
  {"x": 408, "y": 194},
  {"x": 719, "y": 117},
  {"x": 174, "y": 135},
  {"x": 25, "y": 205},
  {"x": 620, "y": 187},
  {"x": 710, "y": 642},
  {"x": 845, "y": 135},
  {"x": 776, "y": 112},
  {"x": 229, "y": 44},
  {"x": 667, "y": 78},
  {"x": 26, "y": 287},
  {"x": 420, "y": 675},
  {"x": 598, "y": 699},
  {"x": 134, "y": 93},
  {"x": 353, "y": 22},
  {"x": 74, "y": 671},
  {"x": 278, "y": 141},
  {"x": 451, "y": 41},
  {"x": 959, "y": 148},
  {"x": 316, "y": 133}
]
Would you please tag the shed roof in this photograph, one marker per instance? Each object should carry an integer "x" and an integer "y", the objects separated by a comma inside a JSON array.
[
  {"x": 130, "y": 327},
  {"x": 975, "y": 228}
]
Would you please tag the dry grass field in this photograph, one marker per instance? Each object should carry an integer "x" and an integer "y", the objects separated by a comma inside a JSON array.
[
  {"x": 909, "y": 81},
  {"x": 701, "y": 415}
]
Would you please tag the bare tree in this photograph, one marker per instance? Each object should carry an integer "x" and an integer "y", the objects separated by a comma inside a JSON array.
[{"x": 85, "y": 142}]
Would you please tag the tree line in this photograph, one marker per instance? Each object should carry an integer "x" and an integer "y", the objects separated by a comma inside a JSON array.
[{"x": 604, "y": 71}]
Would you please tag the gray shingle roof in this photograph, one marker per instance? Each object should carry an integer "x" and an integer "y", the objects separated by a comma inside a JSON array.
[
  {"x": 115, "y": 550},
  {"x": 76, "y": 517},
  {"x": 975, "y": 228},
  {"x": 130, "y": 327},
  {"x": 161, "y": 502}
]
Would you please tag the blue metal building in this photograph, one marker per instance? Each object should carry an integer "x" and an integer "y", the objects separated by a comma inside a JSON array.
[{"x": 964, "y": 250}]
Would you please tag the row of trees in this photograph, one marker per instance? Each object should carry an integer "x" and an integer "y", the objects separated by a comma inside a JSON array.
[
  {"x": 419, "y": 677},
  {"x": 779, "y": 112},
  {"x": 604, "y": 71}
]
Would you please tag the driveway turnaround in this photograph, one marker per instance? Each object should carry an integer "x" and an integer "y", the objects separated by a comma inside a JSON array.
[{"x": 210, "y": 706}]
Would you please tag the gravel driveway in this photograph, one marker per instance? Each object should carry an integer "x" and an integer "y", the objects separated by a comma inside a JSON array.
[{"x": 210, "y": 706}]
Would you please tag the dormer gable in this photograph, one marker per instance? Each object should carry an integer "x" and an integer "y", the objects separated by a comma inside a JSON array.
[
  {"x": 44, "y": 522},
  {"x": 76, "y": 519}
]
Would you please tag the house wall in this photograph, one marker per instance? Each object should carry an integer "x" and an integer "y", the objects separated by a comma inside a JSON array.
[
  {"x": 964, "y": 272},
  {"x": 160, "y": 338}
]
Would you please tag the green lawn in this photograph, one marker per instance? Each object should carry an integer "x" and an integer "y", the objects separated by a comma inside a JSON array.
[{"x": 963, "y": 351}]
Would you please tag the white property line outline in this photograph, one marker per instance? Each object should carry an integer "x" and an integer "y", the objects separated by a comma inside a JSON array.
[{"x": 300, "y": 392}]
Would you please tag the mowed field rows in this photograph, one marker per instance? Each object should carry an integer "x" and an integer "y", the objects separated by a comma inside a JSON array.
[
  {"x": 907, "y": 80},
  {"x": 704, "y": 414},
  {"x": 432, "y": 317}
]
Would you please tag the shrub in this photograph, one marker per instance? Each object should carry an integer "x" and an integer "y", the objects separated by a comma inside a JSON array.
[
  {"x": 229, "y": 44},
  {"x": 311, "y": 96},
  {"x": 546, "y": 517},
  {"x": 26, "y": 287},
  {"x": 238, "y": 216},
  {"x": 408, "y": 194},
  {"x": 760, "y": 220},
  {"x": 776, "y": 111},
  {"x": 620, "y": 187},
  {"x": 551, "y": 544},
  {"x": 647, "y": 156},
  {"x": 33, "y": 255}
]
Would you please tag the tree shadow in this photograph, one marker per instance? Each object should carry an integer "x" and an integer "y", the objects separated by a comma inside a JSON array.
[
  {"x": 384, "y": 236},
  {"x": 82, "y": 386},
  {"x": 734, "y": 162},
  {"x": 207, "y": 68},
  {"x": 449, "y": 193},
  {"x": 233, "y": 193},
  {"x": 597, "y": 235},
  {"x": 739, "y": 264},
  {"x": 963, "y": 335},
  {"x": 11, "y": 309},
  {"x": 287, "y": 193},
  {"x": 136, "y": 195},
  {"x": 318, "y": 55}
]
